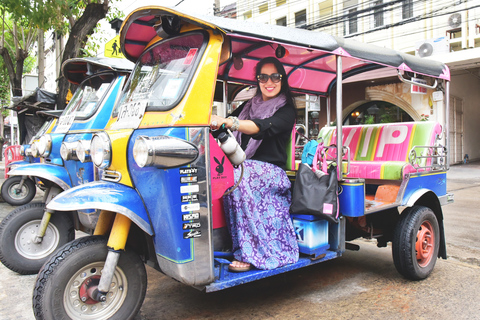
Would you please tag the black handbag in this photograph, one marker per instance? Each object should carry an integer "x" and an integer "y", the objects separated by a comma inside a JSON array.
[{"x": 313, "y": 195}]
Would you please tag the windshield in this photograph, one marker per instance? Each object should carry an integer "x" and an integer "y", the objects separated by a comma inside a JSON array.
[
  {"x": 163, "y": 73},
  {"x": 41, "y": 131},
  {"x": 85, "y": 101}
]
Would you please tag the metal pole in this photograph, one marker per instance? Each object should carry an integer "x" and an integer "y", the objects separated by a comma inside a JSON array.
[
  {"x": 328, "y": 111},
  {"x": 339, "y": 117},
  {"x": 447, "y": 122}
]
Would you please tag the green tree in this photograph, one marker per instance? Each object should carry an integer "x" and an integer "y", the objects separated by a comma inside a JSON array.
[{"x": 77, "y": 18}]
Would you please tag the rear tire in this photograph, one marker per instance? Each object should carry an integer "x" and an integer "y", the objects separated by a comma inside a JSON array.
[
  {"x": 68, "y": 275},
  {"x": 16, "y": 197},
  {"x": 416, "y": 243},
  {"x": 18, "y": 252}
]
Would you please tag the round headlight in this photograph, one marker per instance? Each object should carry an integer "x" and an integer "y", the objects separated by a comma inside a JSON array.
[
  {"x": 68, "y": 152},
  {"x": 83, "y": 151},
  {"x": 34, "y": 149},
  {"x": 140, "y": 151},
  {"x": 101, "y": 150},
  {"x": 44, "y": 145}
]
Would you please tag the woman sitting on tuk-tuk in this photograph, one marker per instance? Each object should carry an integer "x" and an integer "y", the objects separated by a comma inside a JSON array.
[{"x": 258, "y": 210}]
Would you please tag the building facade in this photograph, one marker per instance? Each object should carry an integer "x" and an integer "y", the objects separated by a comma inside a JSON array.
[{"x": 445, "y": 30}]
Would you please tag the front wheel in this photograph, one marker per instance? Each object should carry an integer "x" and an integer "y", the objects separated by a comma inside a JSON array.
[
  {"x": 416, "y": 243},
  {"x": 66, "y": 283},
  {"x": 16, "y": 196},
  {"x": 18, "y": 249}
]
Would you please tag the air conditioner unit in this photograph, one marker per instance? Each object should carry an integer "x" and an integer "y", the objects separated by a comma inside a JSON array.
[{"x": 430, "y": 47}]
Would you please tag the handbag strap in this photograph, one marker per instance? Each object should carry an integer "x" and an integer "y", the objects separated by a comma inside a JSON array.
[{"x": 319, "y": 156}]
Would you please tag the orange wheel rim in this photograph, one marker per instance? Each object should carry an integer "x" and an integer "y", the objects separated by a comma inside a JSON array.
[{"x": 425, "y": 244}]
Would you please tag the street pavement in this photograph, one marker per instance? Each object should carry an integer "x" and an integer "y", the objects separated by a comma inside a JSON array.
[{"x": 359, "y": 285}]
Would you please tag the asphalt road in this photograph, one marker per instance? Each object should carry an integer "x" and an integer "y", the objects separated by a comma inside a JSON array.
[{"x": 359, "y": 285}]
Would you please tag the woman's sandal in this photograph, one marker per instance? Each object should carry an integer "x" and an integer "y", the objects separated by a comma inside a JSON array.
[{"x": 239, "y": 268}]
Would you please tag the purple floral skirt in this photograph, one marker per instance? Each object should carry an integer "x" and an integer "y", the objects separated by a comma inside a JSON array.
[{"x": 258, "y": 217}]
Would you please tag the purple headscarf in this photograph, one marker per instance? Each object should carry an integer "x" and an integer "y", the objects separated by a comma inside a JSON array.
[{"x": 256, "y": 108}]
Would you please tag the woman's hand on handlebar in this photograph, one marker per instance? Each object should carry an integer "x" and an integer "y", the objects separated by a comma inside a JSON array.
[{"x": 217, "y": 122}]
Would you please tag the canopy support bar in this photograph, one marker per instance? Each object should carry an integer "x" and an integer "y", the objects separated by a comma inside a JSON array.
[{"x": 339, "y": 109}]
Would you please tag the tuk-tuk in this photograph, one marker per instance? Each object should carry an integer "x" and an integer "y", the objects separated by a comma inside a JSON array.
[
  {"x": 25, "y": 239},
  {"x": 159, "y": 194},
  {"x": 19, "y": 190}
]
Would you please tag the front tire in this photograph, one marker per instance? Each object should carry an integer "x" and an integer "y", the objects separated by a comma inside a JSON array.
[
  {"x": 18, "y": 251},
  {"x": 17, "y": 197},
  {"x": 62, "y": 285},
  {"x": 416, "y": 243}
]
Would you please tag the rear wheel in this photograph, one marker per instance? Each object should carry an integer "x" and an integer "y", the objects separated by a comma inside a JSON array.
[
  {"x": 416, "y": 243},
  {"x": 18, "y": 250},
  {"x": 65, "y": 285},
  {"x": 16, "y": 196}
]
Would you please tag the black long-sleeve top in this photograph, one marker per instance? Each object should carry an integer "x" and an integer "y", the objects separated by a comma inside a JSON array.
[{"x": 275, "y": 132}]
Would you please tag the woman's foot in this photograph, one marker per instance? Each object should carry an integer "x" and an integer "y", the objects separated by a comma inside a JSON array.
[{"x": 239, "y": 266}]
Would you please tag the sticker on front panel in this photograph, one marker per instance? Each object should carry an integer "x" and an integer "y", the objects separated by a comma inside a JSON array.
[
  {"x": 130, "y": 115},
  {"x": 64, "y": 123},
  {"x": 190, "y": 198},
  {"x": 192, "y": 234},
  {"x": 191, "y": 225},
  {"x": 190, "y": 188},
  {"x": 191, "y": 216},
  {"x": 190, "y": 207}
]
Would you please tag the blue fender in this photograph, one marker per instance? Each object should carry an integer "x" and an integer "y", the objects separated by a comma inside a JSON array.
[
  {"x": 104, "y": 195},
  {"x": 56, "y": 174},
  {"x": 18, "y": 163}
]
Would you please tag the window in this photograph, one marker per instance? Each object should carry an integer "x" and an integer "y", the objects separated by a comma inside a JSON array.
[
  {"x": 407, "y": 9},
  {"x": 247, "y": 15},
  {"x": 326, "y": 9},
  {"x": 378, "y": 14},
  {"x": 301, "y": 19},
  {"x": 163, "y": 73},
  {"x": 263, "y": 7},
  {"x": 281, "y": 2},
  {"x": 351, "y": 25},
  {"x": 282, "y": 22}
]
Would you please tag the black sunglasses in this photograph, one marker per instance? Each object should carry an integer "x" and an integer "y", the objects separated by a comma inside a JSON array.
[{"x": 263, "y": 78}]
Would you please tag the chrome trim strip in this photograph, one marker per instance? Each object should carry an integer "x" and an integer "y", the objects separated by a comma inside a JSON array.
[{"x": 111, "y": 175}]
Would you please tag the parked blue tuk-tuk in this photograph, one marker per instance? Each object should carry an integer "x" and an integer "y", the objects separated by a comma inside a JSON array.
[
  {"x": 25, "y": 239},
  {"x": 19, "y": 190},
  {"x": 159, "y": 192}
]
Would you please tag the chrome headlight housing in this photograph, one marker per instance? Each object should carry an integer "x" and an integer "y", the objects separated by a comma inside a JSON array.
[
  {"x": 68, "y": 151},
  {"x": 25, "y": 150},
  {"x": 34, "y": 149},
  {"x": 163, "y": 152},
  {"x": 101, "y": 150},
  {"x": 83, "y": 151},
  {"x": 44, "y": 145}
]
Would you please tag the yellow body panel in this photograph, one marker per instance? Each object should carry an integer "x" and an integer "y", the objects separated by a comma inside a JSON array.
[
  {"x": 104, "y": 223},
  {"x": 119, "y": 140},
  {"x": 119, "y": 234}
]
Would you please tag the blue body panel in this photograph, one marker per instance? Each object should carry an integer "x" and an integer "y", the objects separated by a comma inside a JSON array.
[
  {"x": 436, "y": 182},
  {"x": 160, "y": 190},
  {"x": 57, "y": 174},
  {"x": 54, "y": 157},
  {"x": 104, "y": 195},
  {"x": 79, "y": 172}
]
